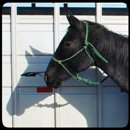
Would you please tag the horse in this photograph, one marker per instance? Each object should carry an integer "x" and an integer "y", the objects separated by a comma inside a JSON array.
[{"x": 87, "y": 44}]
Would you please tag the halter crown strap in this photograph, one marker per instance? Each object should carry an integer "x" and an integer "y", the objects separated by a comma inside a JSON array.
[{"x": 94, "y": 49}]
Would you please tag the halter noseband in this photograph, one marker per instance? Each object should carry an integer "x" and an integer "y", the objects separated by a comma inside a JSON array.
[{"x": 77, "y": 77}]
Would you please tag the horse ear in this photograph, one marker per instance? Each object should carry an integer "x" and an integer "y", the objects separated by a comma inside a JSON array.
[{"x": 73, "y": 21}]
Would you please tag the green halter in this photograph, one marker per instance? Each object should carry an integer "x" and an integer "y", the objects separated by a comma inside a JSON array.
[{"x": 77, "y": 76}]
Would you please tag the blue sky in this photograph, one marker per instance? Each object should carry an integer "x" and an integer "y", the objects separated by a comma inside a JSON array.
[{"x": 112, "y": 5}]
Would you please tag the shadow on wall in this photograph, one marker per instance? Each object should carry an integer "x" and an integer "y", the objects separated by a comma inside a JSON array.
[
  {"x": 27, "y": 86},
  {"x": 81, "y": 99}
]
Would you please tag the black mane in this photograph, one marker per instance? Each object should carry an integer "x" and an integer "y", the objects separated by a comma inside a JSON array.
[
  {"x": 112, "y": 45},
  {"x": 116, "y": 48}
]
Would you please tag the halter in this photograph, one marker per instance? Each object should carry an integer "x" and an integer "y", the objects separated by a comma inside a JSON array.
[{"x": 77, "y": 76}]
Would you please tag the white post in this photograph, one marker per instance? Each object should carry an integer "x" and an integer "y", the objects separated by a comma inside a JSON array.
[
  {"x": 56, "y": 43},
  {"x": 98, "y": 13},
  {"x": 99, "y": 94},
  {"x": 56, "y": 25},
  {"x": 13, "y": 60}
]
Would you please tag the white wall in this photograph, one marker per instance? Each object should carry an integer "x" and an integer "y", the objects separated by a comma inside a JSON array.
[{"x": 77, "y": 105}]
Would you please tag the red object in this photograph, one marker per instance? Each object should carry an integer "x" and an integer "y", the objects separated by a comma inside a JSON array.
[{"x": 44, "y": 90}]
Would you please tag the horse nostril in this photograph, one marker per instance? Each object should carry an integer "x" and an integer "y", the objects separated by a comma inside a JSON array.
[
  {"x": 48, "y": 78},
  {"x": 45, "y": 77}
]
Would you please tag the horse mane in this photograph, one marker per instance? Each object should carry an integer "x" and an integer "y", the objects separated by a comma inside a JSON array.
[
  {"x": 117, "y": 47},
  {"x": 112, "y": 45}
]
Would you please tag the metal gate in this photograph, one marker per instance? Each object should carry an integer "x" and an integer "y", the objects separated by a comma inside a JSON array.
[{"x": 28, "y": 45}]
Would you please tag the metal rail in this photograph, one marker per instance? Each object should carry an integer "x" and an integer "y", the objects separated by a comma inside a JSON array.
[
  {"x": 56, "y": 42},
  {"x": 99, "y": 93},
  {"x": 13, "y": 60}
]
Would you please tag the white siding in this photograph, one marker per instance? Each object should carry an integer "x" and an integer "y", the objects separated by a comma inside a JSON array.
[{"x": 76, "y": 104}]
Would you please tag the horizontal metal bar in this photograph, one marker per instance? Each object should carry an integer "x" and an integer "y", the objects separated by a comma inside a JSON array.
[{"x": 75, "y": 11}]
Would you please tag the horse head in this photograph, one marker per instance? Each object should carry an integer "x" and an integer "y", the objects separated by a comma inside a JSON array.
[{"x": 70, "y": 56}]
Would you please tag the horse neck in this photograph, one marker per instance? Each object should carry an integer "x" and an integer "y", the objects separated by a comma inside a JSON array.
[{"x": 117, "y": 68}]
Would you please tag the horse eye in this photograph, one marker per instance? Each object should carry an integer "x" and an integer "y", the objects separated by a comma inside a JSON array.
[{"x": 68, "y": 44}]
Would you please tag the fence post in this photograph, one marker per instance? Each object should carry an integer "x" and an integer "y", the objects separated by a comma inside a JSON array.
[
  {"x": 56, "y": 43},
  {"x": 98, "y": 13},
  {"x": 56, "y": 25},
  {"x": 99, "y": 93},
  {"x": 13, "y": 61}
]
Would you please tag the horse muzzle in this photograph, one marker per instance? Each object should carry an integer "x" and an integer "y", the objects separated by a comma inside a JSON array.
[{"x": 51, "y": 82}]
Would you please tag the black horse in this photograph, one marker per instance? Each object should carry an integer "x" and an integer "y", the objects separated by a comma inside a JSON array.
[{"x": 86, "y": 44}]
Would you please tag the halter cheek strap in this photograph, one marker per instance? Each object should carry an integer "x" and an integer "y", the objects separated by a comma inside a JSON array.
[{"x": 77, "y": 76}]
